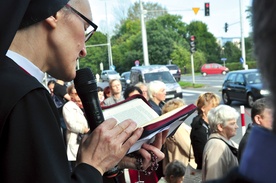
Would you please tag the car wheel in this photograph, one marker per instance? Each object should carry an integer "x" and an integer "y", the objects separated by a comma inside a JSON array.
[
  {"x": 204, "y": 74},
  {"x": 225, "y": 98},
  {"x": 250, "y": 100},
  {"x": 223, "y": 72}
]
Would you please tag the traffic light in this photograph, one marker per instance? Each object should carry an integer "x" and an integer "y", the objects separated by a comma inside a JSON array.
[
  {"x": 207, "y": 9},
  {"x": 192, "y": 44},
  {"x": 226, "y": 27}
]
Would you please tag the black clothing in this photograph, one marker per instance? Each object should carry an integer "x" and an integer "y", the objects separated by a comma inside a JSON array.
[
  {"x": 244, "y": 141},
  {"x": 32, "y": 149},
  {"x": 155, "y": 107},
  {"x": 199, "y": 136},
  {"x": 60, "y": 92},
  {"x": 25, "y": 12}
]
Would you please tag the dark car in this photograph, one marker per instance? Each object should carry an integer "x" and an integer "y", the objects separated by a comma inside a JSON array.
[
  {"x": 125, "y": 80},
  {"x": 175, "y": 71},
  {"x": 244, "y": 86}
]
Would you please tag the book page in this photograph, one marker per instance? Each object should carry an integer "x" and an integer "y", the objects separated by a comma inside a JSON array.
[
  {"x": 135, "y": 109},
  {"x": 164, "y": 116}
]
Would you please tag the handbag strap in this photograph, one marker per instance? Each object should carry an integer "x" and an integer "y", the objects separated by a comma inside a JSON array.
[
  {"x": 190, "y": 153},
  {"x": 233, "y": 149}
]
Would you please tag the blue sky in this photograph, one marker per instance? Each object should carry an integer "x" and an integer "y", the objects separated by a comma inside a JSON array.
[{"x": 221, "y": 11}]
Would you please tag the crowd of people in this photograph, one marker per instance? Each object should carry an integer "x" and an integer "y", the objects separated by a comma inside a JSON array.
[{"x": 44, "y": 134}]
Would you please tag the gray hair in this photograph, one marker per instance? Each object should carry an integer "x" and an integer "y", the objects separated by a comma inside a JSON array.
[
  {"x": 154, "y": 87},
  {"x": 221, "y": 115}
]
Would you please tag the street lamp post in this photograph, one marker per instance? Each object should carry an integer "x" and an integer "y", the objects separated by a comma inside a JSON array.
[
  {"x": 242, "y": 36},
  {"x": 144, "y": 35},
  {"x": 110, "y": 61}
]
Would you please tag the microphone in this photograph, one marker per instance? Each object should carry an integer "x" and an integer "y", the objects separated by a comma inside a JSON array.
[{"x": 86, "y": 87}]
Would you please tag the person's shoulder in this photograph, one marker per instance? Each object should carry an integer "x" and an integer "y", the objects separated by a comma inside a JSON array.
[
  {"x": 69, "y": 104},
  {"x": 197, "y": 122},
  {"x": 108, "y": 101},
  {"x": 218, "y": 140}
]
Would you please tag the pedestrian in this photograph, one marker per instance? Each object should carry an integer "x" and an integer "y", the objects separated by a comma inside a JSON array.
[
  {"x": 178, "y": 146},
  {"x": 116, "y": 93},
  {"x": 48, "y": 36},
  {"x": 261, "y": 115},
  {"x": 185, "y": 70},
  {"x": 200, "y": 125},
  {"x": 174, "y": 173},
  {"x": 157, "y": 95},
  {"x": 132, "y": 90},
  {"x": 144, "y": 89},
  {"x": 76, "y": 124},
  {"x": 220, "y": 152}
]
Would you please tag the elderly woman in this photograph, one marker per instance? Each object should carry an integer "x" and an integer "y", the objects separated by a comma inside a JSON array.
[
  {"x": 157, "y": 95},
  {"x": 220, "y": 152}
]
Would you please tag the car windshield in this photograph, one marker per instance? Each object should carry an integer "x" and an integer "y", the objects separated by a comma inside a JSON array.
[
  {"x": 253, "y": 78},
  {"x": 172, "y": 67},
  {"x": 165, "y": 77},
  {"x": 112, "y": 72},
  {"x": 127, "y": 75}
]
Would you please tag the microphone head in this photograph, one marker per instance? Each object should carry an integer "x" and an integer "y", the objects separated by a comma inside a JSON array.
[{"x": 85, "y": 81}]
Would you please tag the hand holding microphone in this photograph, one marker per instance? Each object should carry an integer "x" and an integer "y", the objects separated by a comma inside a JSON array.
[{"x": 108, "y": 144}]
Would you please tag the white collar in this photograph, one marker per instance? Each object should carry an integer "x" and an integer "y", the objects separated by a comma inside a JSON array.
[{"x": 26, "y": 65}]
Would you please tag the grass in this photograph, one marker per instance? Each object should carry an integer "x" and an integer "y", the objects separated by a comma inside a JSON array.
[{"x": 185, "y": 84}]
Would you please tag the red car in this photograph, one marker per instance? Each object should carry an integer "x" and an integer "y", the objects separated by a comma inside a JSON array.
[{"x": 213, "y": 68}]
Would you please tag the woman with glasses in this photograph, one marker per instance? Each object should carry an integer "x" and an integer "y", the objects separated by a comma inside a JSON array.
[{"x": 49, "y": 36}]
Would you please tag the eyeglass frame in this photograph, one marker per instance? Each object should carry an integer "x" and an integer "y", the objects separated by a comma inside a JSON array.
[{"x": 85, "y": 19}]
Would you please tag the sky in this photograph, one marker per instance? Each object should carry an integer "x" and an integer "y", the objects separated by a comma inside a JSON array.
[{"x": 221, "y": 12}]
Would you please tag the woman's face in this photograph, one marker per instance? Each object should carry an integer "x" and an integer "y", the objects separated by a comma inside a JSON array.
[
  {"x": 230, "y": 129},
  {"x": 161, "y": 94},
  {"x": 207, "y": 107}
]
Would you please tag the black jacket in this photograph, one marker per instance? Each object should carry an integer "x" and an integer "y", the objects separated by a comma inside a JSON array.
[
  {"x": 155, "y": 107},
  {"x": 32, "y": 149},
  {"x": 244, "y": 141},
  {"x": 199, "y": 136}
]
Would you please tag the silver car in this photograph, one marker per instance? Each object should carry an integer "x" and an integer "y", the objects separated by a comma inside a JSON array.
[{"x": 108, "y": 75}]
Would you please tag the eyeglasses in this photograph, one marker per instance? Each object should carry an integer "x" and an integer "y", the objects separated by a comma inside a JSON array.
[{"x": 89, "y": 31}]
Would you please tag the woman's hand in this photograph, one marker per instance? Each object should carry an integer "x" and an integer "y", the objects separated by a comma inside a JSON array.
[
  {"x": 108, "y": 143},
  {"x": 131, "y": 161}
]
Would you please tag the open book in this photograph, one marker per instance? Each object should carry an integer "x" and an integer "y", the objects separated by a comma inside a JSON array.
[{"x": 137, "y": 108}]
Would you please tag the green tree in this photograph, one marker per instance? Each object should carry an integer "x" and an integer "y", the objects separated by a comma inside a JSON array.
[
  {"x": 205, "y": 41},
  {"x": 231, "y": 52},
  {"x": 95, "y": 54},
  {"x": 153, "y": 10}
]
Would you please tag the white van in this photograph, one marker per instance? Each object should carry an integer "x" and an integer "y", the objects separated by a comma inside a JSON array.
[{"x": 150, "y": 73}]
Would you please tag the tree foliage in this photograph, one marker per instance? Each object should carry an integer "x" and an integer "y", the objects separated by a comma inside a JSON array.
[{"x": 168, "y": 39}]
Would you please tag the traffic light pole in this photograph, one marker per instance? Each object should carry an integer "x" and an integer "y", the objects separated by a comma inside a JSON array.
[{"x": 193, "y": 71}]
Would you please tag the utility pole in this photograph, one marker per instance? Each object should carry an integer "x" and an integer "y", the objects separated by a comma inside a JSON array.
[
  {"x": 110, "y": 61},
  {"x": 144, "y": 35},
  {"x": 242, "y": 36}
]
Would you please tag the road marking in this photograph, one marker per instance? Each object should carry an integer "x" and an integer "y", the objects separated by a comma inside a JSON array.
[
  {"x": 193, "y": 91},
  {"x": 187, "y": 94}
]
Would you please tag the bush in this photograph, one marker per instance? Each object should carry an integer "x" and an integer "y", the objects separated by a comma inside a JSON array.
[{"x": 238, "y": 66}]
